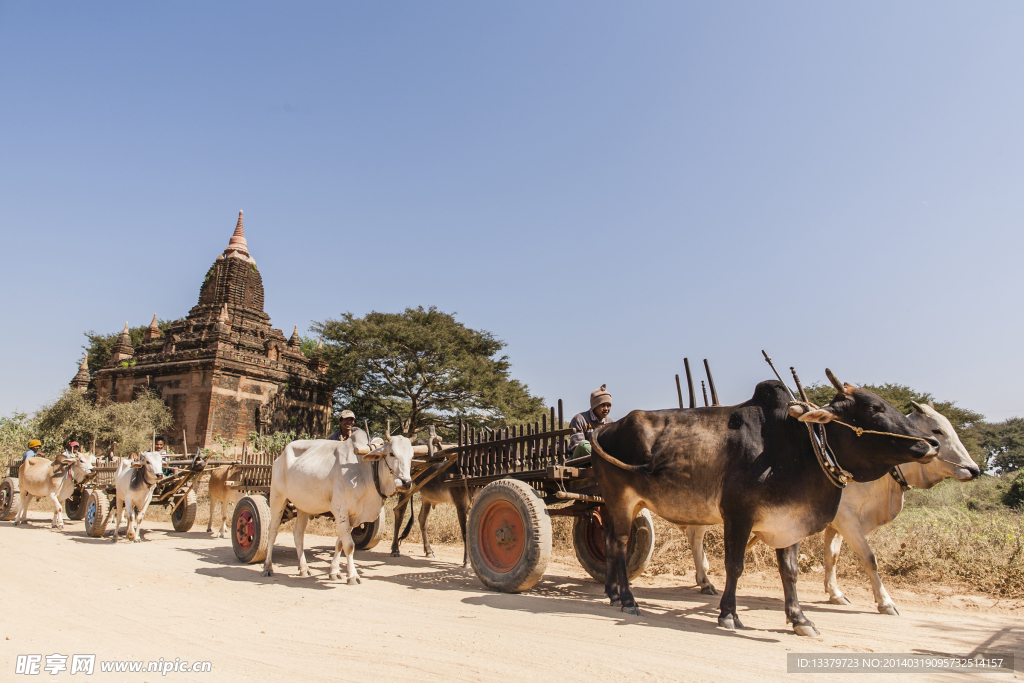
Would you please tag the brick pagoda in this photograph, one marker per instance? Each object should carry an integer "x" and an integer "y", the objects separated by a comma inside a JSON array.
[{"x": 223, "y": 370}]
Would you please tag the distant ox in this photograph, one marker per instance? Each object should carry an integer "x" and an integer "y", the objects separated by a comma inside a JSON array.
[
  {"x": 221, "y": 493},
  {"x": 350, "y": 479},
  {"x": 41, "y": 478}
]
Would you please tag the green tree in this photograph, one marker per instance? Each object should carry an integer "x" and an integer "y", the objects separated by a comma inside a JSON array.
[
  {"x": 72, "y": 417},
  {"x": 422, "y": 367},
  {"x": 130, "y": 426},
  {"x": 100, "y": 346},
  {"x": 15, "y": 433},
  {"x": 1003, "y": 444}
]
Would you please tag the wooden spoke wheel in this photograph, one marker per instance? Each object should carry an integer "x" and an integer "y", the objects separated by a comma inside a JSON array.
[
  {"x": 97, "y": 508},
  {"x": 588, "y": 542},
  {"x": 74, "y": 506},
  {"x": 368, "y": 534},
  {"x": 250, "y": 529},
  {"x": 10, "y": 498},
  {"x": 509, "y": 536},
  {"x": 184, "y": 516}
]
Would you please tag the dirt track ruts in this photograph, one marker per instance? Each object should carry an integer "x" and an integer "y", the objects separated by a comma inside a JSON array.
[{"x": 185, "y": 595}]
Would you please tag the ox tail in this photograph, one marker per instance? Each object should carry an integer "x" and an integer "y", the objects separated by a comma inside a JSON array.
[
  {"x": 600, "y": 452},
  {"x": 408, "y": 527}
]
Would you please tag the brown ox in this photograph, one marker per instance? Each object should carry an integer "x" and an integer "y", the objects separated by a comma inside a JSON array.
[{"x": 221, "y": 492}]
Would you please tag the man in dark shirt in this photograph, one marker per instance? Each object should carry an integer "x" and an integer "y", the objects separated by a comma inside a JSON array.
[
  {"x": 600, "y": 406},
  {"x": 347, "y": 427}
]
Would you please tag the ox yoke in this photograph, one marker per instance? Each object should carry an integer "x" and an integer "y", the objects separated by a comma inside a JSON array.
[
  {"x": 704, "y": 465},
  {"x": 327, "y": 476}
]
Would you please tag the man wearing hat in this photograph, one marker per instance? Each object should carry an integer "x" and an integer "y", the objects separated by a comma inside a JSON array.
[
  {"x": 35, "y": 449},
  {"x": 347, "y": 428},
  {"x": 600, "y": 406}
]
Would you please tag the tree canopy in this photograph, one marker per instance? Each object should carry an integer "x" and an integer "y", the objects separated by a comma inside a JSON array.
[{"x": 422, "y": 367}]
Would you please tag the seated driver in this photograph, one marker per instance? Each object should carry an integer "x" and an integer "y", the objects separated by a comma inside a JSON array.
[
  {"x": 600, "y": 406},
  {"x": 348, "y": 429}
]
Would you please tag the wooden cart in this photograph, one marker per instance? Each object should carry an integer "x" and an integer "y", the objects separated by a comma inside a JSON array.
[
  {"x": 525, "y": 476},
  {"x": 93, "y": 497}
]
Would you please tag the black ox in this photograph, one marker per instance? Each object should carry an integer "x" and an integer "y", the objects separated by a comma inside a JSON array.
[{"x": 750, "y": 466}]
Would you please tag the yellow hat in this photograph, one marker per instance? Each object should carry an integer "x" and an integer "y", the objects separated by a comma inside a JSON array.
[
  {"x": 35, "y": 443},
  {"x": 347, "y": 413}
]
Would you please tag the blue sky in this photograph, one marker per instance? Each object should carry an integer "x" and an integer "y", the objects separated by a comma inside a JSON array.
[{"x": 608, "y": 187}]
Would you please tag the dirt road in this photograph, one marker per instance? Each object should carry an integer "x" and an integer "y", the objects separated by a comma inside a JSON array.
[{"x": 413, "y": 619}]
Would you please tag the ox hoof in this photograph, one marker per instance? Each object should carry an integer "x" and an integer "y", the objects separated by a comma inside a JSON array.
[
  {"x": 631, "y": 609},
  {"x": 222, "y": 535},
  {"x": 708, "y": 590},
  {"x": 268, "y": 572},
  {"x": 806, "y": 630},
  {"x": 431, "y": 555},
  {"x": 889, "y": 609},
  {"x": 303, "y": 572},
  {"x": 353, "y": 580},
  {"x": 730, "y": 622},
  {"x": 395, "y": 553},
  {"x": 839, "y": 600},
  {"x": 467, "y": 565}
]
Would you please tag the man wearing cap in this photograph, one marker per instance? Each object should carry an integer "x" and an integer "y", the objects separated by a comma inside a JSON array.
[
  {"x": 347, "y": 428},
  {"x": 160, "y": 446},
  {"x": 35, "y": 450},
  {"x": 600, "y": 406}
]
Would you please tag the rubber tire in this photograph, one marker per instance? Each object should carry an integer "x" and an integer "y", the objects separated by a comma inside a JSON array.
[
  {"x": 185, "y": 515},
  {"x": 10, "y": 493},
  {"x": 372, "y": 534},
  {"x": 638, "y": 555},
  {"x": 98, "y": 524},
  {"x": 258, "y": 508},
  {"x": 74, "y": 505},
  {"x": 529, "y": 568}
]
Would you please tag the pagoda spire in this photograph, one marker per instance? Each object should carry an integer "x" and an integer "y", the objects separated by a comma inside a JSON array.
[
  {"x": 82, "y": 379},
  {"x": 237, "y": 246},
  {"x": 295, "y": 341},
  {"x": 123, "y": 349},
  {"x": 154, "y": 330}
]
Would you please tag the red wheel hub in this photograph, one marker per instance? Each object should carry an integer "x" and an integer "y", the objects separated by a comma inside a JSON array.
[
  {"x": 245, "y": 530},
  {"x": 502, "y": 536}
]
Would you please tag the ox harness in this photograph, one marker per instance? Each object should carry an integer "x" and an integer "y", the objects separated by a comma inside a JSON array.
[{"x": 376, "y": 475}]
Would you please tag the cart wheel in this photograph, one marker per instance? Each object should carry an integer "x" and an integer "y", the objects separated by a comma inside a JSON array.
[
  {"x": 184, "y": 516},
  {"x": 10, "y": 498},
  {"x": 74, "y": 506},
  {"x": 250, "y": 525},
  {"x": 96, "y": 508},
  {"x": 368, "y": 534},
  {"x": 509, "y": 536},
  {"x": 588, "y": 542}
]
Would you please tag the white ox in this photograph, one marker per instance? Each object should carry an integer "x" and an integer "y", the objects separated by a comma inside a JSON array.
[
  {"x": 41, "y": 478},
  {"x": 337, "y": 477},
  {"x": 866, "y": 506},
  {"x": 134, "y": 482}
]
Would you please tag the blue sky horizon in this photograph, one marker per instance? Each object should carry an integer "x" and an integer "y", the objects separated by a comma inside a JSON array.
[{"x": 606, "y": 187}]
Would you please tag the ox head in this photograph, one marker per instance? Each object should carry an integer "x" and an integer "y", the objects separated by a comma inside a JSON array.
[
  {"x": 395, "y": 456},
  {"x": 954, "y": 460},
  {"x": 82, "y": 465},
  {"x": 153, "y": 463},
  {"x": 869, "y": 456}
]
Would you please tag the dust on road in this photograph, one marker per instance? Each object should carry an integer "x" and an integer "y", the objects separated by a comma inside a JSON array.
[{"x": 414, "y": 619}]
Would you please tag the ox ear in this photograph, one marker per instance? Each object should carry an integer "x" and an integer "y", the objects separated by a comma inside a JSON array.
[
  {"x": 796, "y": 410},
  {"x": 361, "y": 450},
  {"x": 420, "y": 450}
]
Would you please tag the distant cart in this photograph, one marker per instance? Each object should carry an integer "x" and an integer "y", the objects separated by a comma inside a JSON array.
[
  {"x": 93, "y": 498},
  {"x": 522, "y": 476}
]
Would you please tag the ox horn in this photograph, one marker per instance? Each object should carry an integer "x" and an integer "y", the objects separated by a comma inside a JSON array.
[
  {"x": 387, "y": 430},
  {"x": 917, "y": 407},
  {"x": 835, "y": 381}
]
